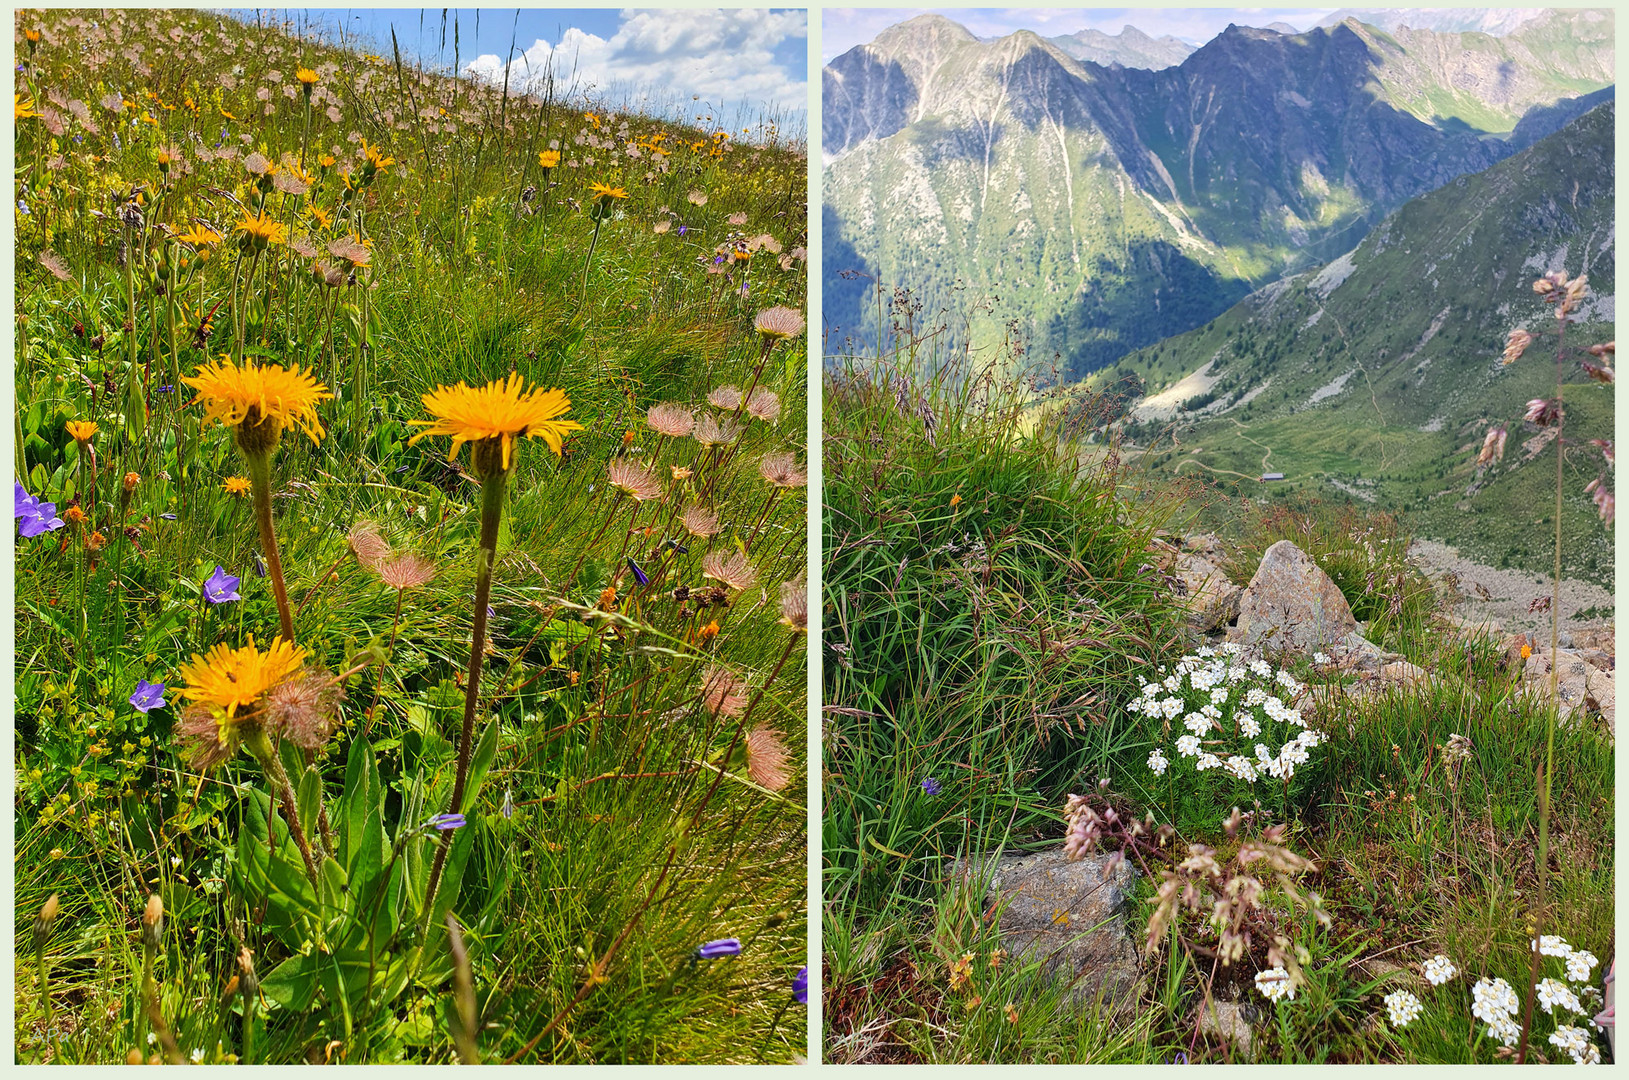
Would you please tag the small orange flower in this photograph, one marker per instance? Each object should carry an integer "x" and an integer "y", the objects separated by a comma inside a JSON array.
[
  {"x": 236, "y": 485},
  {"x": 75, "y": 515},
  {"x": 573, "y": 677},
  {"x": 708, "y": 632},
  {"x": 627, "y": 438},
  {"x": 82, "y": 430},
  {"x": 1527, "y": 650},
  {"x": 680, "y": 472},
  {"x": 955, "y": 501}
]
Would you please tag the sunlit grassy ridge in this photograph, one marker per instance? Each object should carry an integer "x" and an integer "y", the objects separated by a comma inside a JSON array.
[{"x": 433, "y": 231}]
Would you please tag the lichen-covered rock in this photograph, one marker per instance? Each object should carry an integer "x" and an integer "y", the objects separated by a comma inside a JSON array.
[
  {"x": 1213, "y": 600},
  {"x": 1070, "y": 916},
  {"x": 1585, "y": 689},
  {"x": 1291, "y": 603}
]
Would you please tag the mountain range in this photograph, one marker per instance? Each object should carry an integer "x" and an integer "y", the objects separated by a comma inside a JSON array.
[
  {"x": 1379, "y": 373},
  {"x": 1105, "y": 207}
]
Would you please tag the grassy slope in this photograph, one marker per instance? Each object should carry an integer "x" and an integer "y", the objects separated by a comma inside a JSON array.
[
  {"x": 1416, "y": 329},
  {"x": 467, "y": 287},
  {"x": 984, "y": 616}
]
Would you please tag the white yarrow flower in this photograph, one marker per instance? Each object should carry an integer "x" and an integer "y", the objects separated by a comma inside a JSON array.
[
  {"x": 1275, "y": 985},
  {"x": 1580, "y": 962},
  {"x": 1158, "y": 763},
  {"x": 1438, "y": 970},
  {"x": 1553, "y": 992},
  {"x": 1402, "y": 1007}
]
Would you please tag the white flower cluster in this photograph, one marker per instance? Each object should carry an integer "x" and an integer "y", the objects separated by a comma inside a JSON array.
[
  {"x": 1402, "y": 1007},
  {"x": 1438, "y": 970},
  {"x": 1577, "y": 1042},
  {"x": 1275, "y": 984},
  {"x": 1495, "y": 1001},
  {"x": 1199, "y": 691}
]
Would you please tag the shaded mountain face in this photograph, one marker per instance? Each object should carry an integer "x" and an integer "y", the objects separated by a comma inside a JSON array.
[
  {"x": 1129, "y": 48},
  {"x": 1379, "y": 372},
  {"x": 1106, "y": 208}
]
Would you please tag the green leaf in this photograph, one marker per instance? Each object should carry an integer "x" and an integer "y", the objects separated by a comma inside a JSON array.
[
  {"x": 480, "y": 764},
  {"x": 293, "y": 983},
  {"x": 308, "y": 799}
]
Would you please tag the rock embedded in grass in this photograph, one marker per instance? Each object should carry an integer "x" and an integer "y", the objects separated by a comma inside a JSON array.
[
  {"x": 1212, "y": 599},
  {"x": 1291, "y": 603},
  {"x": 1066, "y": 915}
]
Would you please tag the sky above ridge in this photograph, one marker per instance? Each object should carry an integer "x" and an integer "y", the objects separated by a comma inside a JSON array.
[
  {"x": 740, "y": 61},
  {"x": 843, "y": 28}
]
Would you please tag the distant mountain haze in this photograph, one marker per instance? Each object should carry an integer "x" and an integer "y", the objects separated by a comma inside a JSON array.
[{"x": 1107, "y": 206}]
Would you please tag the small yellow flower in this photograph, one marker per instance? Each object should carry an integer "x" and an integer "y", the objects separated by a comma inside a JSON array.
[
  {"x": 24, "y": 106},
  {"x": 262, "y": 232},
  {"x": 708, "y": 632},
  {"x": 606, "y": 193},
  {"x": 500, "y": 412},
  {"x": 82, "y": 431},
  {"x": 548, "y": 159},
  {"x": 320, "y": 217},
  {"x": 955, "y": 501},
  {"x": 31, "y": 36},
  {"x": 1527, "y": 650},
  {"x": 375, "y": 158},
  {"x": 259, "y": 401},
  {"x": 228, "y": 679},
  {"x": 236, "y": 485},
  {"x": 307, "y": 77},
  {"x": 326, "y": 161},
  {"x": 199, "y": 236}
]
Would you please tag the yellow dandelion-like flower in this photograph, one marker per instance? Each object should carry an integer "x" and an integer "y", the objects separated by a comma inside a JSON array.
[
  {"x": 548, "y": 159},
  {"x": 259, "y": 401},
  {"x": 320, "y": 216},
  {"x": 199, "y": 236},
  {"x": 603, "y": 191},
  {"x": 503, "y": 411},
  {"x": 375, "y": 158},
  {"x": 24, "y": 106},
  {"x": 236, "y": 485},
  {"x": 261, "y": 232},
  {"x": 82, "y": 430},
  {"x": 228, "y": 679},
  {"x": 326, "y": 161},
  {"x": 306, "y": 77}
]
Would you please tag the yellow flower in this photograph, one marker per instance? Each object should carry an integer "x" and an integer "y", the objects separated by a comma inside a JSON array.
[
  {"x": 498, "y": 411},
  {"x": 31, "y": 36},
  {"x": 306, "y": 76},
  {"x": 375, "y": 158},
  {"x": 549, "y": 158},
  {"x": 601, "y": 191},
  {"x": 81, "y": 430},
  {"x": 262, "y": 231},
  {"x": 24, "y": 106},
  {"x": 247, "y": 397},
  {"x": 955, "y": 501},
  {"x": 227, "y": 679},
  {"x": 236, "y": 485},
  {"x": 320, "y": 217},
  {"x": 326, "y": 161},
  {"x": 228, "y": 115},
  {"x": 199, "y": 236}
]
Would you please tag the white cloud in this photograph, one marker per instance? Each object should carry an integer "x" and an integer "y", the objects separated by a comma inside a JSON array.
[{"x": 726, "y": 57}]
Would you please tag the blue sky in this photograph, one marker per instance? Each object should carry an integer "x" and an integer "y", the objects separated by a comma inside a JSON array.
[
  {"x": 734, "y": 59},
  {"x": 843, "y": 28}
]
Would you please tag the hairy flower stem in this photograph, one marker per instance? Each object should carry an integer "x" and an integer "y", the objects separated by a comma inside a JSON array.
[
  {"x": 260, "y": 477},
  {"x": 492, "y": 485},
  {"x": 1543, "y": 867},
  {"x": 258, "y": 744},
  {"x": 379, "y": 682},
  {"x": 598, "y": 221}
]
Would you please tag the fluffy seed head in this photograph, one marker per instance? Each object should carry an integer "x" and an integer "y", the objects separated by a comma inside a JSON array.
[{"x": 731, "y": 570}]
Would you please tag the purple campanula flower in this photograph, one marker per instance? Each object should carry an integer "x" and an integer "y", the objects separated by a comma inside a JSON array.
[
  {"x": 148, "y": 696},
  {"x": 34, "y": 517},
  {"x": 167, "y": 517},
  {"x": 683, "y": 229},
  {"x": 800, "y": 985},
  {"x": 221, "y": 587},
  {"x": 639, "y": 575},
  {"x": 931, "y": 786},
  {"x": 722, "y": 947},
  {"x": 446, "y": 822}
]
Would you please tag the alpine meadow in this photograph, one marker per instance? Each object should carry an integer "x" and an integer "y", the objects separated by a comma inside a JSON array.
[
  {"x": 410, "y": 557},
  {"x": 1218, "y": 635}
]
